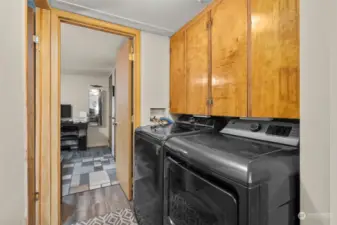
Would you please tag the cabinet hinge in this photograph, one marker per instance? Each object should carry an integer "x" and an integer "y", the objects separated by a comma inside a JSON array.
[
  {"x": 37, "y": 196},
  {"x": 209, "y": 24},
  {"x": 36, "y": 39},
  {"x": 210, "y": 101}
]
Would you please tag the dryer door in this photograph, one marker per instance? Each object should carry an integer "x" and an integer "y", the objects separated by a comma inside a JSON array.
[{"x": 191, "y": 199}]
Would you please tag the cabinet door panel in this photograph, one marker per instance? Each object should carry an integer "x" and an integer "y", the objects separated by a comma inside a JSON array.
[
  {"x": 229, "y": 58},
  {"x": 177, "y": 74},
  {"x": 197, "y": 66},
  {"x": 275, "y": 59}
]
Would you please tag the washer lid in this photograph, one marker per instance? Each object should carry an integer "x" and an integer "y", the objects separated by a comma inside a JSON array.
[
  {"x": 162, "y": 132},
  {"x": 244, "y": 160},
  {"x": 186, "y": 124}
]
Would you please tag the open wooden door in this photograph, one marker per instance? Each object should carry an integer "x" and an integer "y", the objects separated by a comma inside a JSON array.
[
  {"x": 123, "y": 122},
  {"x": 112, "y": 114},
  {"x": 110, "y": 111}
]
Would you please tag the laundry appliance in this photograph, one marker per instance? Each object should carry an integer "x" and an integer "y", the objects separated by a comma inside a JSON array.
[
  {"x": 149, "y": 159},
  {"x": 247, "y": 174}
]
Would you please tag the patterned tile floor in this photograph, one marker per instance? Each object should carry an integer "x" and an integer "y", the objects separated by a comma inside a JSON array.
[
  {"x": 120, "y": 217},
  {"x": 87, "y": 170}
]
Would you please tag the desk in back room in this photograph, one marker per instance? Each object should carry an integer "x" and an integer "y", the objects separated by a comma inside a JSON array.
[{"x": 74, "y": 135}]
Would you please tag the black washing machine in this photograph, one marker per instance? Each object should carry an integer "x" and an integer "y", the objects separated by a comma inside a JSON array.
[
  {"x": 248, "y": 174},
  {"x": 149, "y": 159}
]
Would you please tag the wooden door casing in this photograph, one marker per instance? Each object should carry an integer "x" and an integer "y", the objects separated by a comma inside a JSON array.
[
  {"x": 48, "y": 101},
  {"x": 123, "y": 119},
  {"x": 43, "y": 4},
  {"x": 275, "y": 87},
  {"x": 229, "y": 58},
  {"x": 177, "y": 74},
  {"x": 30, "y": 102},
  {"x": 197, "y": 68}
]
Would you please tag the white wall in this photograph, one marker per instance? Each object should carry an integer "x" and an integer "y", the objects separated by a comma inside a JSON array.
[
  {"x": 12, "y": 113},
  {"x": 155, "y": 74},
  {"x": 75, "y": 91},
  {"x": 317, "y": 117},
  {"x": 316, "y": 103},
  {"x": 333, "y": 110}
]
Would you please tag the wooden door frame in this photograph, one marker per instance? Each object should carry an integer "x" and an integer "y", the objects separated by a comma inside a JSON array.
[
  {"x": 43, "y": 4},
  {"x": 30, "y": 110},
  {"x": 48, "y": 92}
]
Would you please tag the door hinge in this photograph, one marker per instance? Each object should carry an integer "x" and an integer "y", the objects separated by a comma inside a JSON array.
[
  {"x": 210, "y": 101},
  {"x": 132, "y": 54},
  {"x": 36, "y": 39},
  {"x": 132, "y": 57},
  {"x": 37, "y": 196},
  {"x": 132, "y": 118}
]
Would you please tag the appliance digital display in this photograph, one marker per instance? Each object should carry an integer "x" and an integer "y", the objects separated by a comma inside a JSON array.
[{"x": 283, "y": 131}]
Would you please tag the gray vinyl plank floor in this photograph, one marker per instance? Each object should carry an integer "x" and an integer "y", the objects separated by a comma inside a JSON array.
[{"x": 96, "y": 203}]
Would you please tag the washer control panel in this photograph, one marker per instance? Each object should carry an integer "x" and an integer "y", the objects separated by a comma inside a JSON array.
[{"x": 272, "y": 131}]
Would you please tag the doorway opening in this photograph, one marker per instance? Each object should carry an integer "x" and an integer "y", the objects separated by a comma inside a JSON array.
[
  {"x": 96, "y": 110},
  {"x": 64, "y": 123}
]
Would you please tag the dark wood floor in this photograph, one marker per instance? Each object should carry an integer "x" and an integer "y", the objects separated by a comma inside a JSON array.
[{"x": 85, "y": 205}]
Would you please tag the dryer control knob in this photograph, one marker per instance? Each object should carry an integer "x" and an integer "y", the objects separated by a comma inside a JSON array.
[{"x": 255, "y": 127}]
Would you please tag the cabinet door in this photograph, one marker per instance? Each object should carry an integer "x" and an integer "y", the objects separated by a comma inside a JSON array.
[
  {"x": 275, "y": 59},
  {"x": 197, "y": 66},
  {"x": 229, "y": 58},
  {"x": 177, "y": 74}
]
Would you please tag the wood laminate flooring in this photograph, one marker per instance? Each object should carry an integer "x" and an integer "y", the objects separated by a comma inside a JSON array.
[{"x": 86, "y": 205}]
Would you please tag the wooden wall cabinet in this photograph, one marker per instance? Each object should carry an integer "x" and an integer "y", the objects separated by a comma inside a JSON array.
[
  {"x": 177, "y": 74},
  {"x": 197, "y": 71},
  {"x": 229, "y": 58},
  {"x": 275, "y": 74},
  {"x": 241, "y": 59}
]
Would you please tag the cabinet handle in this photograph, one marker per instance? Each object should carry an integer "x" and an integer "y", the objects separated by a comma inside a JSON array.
[{"x": 209, "y": 101}]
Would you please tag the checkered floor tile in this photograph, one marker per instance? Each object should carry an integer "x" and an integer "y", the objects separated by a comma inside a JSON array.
[
  {"x": 120, "y": 217},
  {"x": 87, "y": 170}
]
